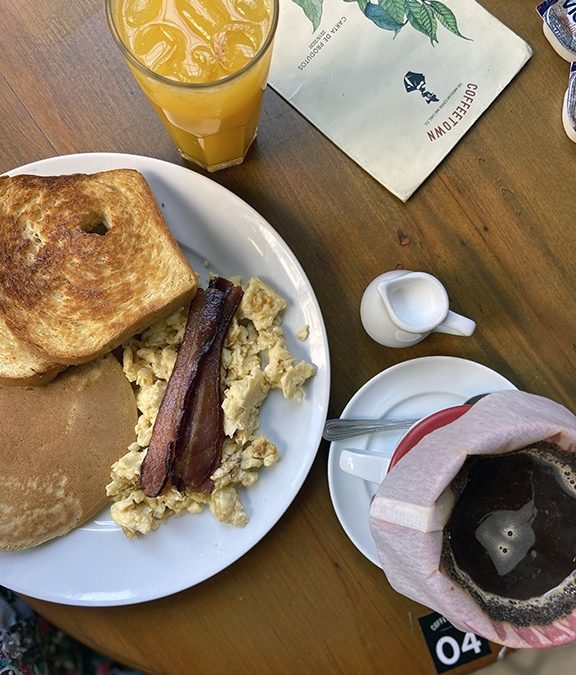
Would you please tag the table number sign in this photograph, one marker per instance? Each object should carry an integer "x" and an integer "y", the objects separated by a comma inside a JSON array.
[
  {"x": 449, "y": 647},
  {"x": 394, "y": 83}
]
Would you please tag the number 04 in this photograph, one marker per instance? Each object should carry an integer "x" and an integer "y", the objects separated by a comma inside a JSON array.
[{"x": 448, "y": 650}]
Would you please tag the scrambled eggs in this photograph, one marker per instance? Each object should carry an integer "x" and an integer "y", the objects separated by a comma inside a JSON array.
[{"x": 255, "y": 359}]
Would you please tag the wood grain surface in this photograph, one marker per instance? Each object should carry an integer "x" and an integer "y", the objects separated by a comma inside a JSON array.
[{"x": 495, "y": 222}]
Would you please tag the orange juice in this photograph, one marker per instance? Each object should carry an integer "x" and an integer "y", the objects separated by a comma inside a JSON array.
[{"x": 203, "y": 65}]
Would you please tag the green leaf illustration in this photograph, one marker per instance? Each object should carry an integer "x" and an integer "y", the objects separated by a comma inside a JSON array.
[
  {"x": 419, "y": 18},
  {"x": 312, "y": 9},
  {"x": 431, "y": 22},
  {"x": 392, "y": 15},
  {"x": 361, "y": 3},
  {"x": 395, "y": 8},
  {"x": 446, "y": 17},
  {"x": 382, "y": 18}
]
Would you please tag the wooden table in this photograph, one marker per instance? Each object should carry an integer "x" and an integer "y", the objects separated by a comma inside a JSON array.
[{"x": 495, "y": 222}]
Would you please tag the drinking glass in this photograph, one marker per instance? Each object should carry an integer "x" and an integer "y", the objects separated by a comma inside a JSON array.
[{"x": 212, "y": 123}]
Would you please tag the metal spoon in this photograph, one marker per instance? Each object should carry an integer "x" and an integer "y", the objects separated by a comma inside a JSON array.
[{"x": 338, "y": 429}]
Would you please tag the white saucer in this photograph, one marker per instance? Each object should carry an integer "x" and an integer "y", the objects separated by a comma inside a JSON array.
[{"x": 414, "y": 388}]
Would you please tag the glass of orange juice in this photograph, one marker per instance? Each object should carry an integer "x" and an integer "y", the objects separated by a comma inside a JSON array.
[{"x": 203, "y": 65}]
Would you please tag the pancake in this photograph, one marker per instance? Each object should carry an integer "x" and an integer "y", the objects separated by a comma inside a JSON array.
[{"x": 57, "y": 444}]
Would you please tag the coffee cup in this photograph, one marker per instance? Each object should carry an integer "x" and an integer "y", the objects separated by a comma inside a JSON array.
[
  {"x": 373, "y": 467},
  {"x": 476, "y": 520}
]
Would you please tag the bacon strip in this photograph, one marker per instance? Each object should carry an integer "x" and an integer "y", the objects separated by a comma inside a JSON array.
[
  {"x": 201, "y": 329},
  {"x": 200, "y": 452}
]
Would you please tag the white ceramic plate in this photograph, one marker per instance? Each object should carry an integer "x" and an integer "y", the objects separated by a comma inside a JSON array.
[
  {"x": 96, "y": 564},
  {"x": 411, "y": 389}
]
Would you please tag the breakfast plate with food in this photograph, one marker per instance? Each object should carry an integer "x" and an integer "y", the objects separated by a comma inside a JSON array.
[{"x": 164, "y": 378}]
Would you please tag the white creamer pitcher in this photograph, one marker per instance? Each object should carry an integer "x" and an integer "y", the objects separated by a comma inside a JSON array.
[{"x": 400, "y": 308}]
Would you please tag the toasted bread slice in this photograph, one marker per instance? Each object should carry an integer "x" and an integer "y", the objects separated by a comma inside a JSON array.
[
  {"x": 19, "y": 365},
  {"x": 55, "y": 471},
  {"x": 86, "y": 261}
]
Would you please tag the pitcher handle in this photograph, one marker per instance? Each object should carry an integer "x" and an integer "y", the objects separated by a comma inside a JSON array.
[{"x": 456, "y": 324}]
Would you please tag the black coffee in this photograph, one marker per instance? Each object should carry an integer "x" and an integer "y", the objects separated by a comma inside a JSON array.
[{"x": 511, "y": 538}]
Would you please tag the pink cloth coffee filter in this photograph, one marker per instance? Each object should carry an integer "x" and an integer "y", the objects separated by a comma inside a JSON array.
[{"x": 412, "y": 505}]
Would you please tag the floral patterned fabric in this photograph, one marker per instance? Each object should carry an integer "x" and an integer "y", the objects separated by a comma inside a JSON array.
[{"x": 30, "y": 645}]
